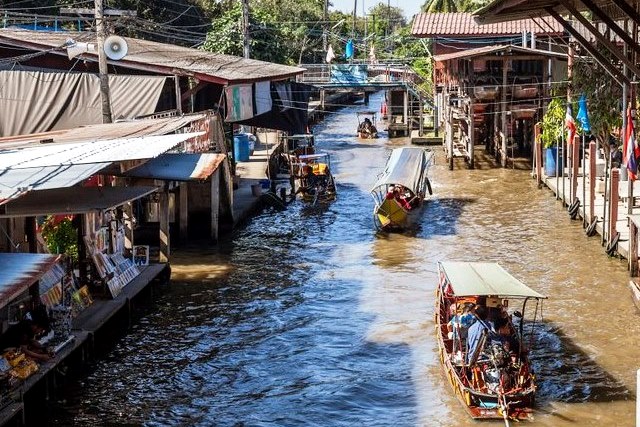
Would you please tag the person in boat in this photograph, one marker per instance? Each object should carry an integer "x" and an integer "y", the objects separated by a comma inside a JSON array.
[
  {"x": 459, "y": 324},
  {"x": 397, "y": 192},
  {"x": 367, "y": 128},
  {"x": 477, "y": 331}
]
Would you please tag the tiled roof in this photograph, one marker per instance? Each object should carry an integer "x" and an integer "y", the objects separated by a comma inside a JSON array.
[
  {"x": 463, "y": 24},
  {"x": 488, "y": 50}
]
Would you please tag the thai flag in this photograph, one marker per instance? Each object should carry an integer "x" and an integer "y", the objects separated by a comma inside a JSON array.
[
  {"x": 570, "y": 123},
  {"x": 631, "y": 150}
]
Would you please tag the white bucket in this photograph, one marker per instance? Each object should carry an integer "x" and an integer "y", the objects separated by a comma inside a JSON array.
[{"x": 256, "y": 189}]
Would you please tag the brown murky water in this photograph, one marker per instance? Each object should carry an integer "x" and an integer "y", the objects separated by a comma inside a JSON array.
[{"x": 306, "y": 317}]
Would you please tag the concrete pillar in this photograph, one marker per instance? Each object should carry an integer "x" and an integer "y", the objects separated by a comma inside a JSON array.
[
  {"x": 405, "y": 108},
  {"x": 471, "y": 134},
  {"x": 613, "y": 204},
  {"x": 215, "y": 204},
  {"x": 163, "y": 213},
  {"x": 184, "y": 211},
  {"x": 537, "y": 146},
  {"x": 503, "y": 114},
  {"x": 322, "y": 95},
  {"x": 592, "y": 180},
  {"x": 575, "y": 163}
]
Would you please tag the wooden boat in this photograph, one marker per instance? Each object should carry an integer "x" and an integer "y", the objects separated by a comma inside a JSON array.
[
  {"x": 367, "y": 124},
  {"x": 316, "y": 183},
  {"x": 400, "y": 190},
  {"x": 493, "y": 380},
  {"x": 635, "y": 293}
]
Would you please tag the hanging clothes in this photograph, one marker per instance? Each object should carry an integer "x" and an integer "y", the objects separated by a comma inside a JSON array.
[
  {"x": 348, "y": 51},
  {"x": 330, "y": 55}
]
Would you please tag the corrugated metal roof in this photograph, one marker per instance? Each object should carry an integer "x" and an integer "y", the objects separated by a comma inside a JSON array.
[
  {"x": 463, "y": 24},
  {"x": 484, "y": 278},
  {"x": 160, "y": 57},
  {"x": 19, "y": 271},
  {"x": 179, "y": 167},
  {"x": 98, "y": 132},
  {"x": 488, "y": 50},
  {"x": 503, "y": 10},
  {"x": 73, "y": 200},
  {"x": 16, "y": 182},
  {"x": 114, "y": 150}
]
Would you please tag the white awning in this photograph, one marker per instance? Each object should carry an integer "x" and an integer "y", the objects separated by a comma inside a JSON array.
[{"x": 114, "y": 150}]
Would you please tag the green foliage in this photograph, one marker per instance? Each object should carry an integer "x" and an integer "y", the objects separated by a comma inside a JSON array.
[
  {"x": 435, "y": 6},
  {"x": 61, "y": 237},
  {"x": 552, "y": 123},
  {"x": 603, "y": 95}
]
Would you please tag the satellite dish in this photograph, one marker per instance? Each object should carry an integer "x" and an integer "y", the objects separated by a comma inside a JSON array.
[{"x": 115, "y": 47}]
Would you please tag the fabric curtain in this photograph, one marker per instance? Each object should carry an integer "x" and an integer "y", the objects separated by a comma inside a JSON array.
[{"x": 38, "y": 101}]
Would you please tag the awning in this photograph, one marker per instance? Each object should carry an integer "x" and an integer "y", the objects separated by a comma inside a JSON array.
[
  {"x": 484, "y": 279},
  {"x": 406, "y": 166},
  {"x": 178, "y": 167},
  {"x": 115, "y": 150},
  {"x": 16, "y": 182},
  {"x": 21, "y": 270},
  {"x": 74, "y": 200}
]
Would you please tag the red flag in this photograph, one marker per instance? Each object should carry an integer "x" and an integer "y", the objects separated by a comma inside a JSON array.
[
  {"x": 570, "y": 123},
  {"x": 630, "y": 149}
]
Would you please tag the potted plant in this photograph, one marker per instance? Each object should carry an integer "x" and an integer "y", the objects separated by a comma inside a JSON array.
[{"x": 552, "y": 127}]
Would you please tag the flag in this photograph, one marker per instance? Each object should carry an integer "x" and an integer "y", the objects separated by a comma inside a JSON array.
[
  {"x": 570, "y": 124},
  {"x": 583, "y": 115},
  {"x": 330, "y": 55},
  {"x": 630, "y": 149},
  {"x": 348, "y": 50}
]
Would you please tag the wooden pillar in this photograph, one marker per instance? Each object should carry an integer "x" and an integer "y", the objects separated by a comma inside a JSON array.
[
  {"x": 405, "y": 109},
  {"x": 538, "y": 152},
  {"x": 184, "y": 211},
  {"x": 176, "y": 80},
  {"x": 613, "y": 202},
  {"x": 215, "y": 204},
  {"x": 449, "y": 125},
  {"x": 163, "y": 213},
  {"x": 592, "y": 180},
  {"x": 503, "y": 114},
  {"x": 30, "y": 233},
  {"x": 127, "y": 211},
  {"x": 575, "y": 163},
  {"x": 633, "y": 248},
  {"x": 472, "y": 135}
]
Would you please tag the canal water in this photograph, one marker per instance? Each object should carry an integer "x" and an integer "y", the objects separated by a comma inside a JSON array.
[{"x": 308, "y": 318}]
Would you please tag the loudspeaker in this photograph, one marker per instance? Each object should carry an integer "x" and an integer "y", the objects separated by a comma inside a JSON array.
[
  {"x": 78, "y": 48},
  {"x": 115, "y": 47}
]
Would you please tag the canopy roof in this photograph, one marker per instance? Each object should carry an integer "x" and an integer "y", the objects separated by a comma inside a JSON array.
[
  {"x": 463, "y": 24},
  {"x": 406, "y": 166},
  {"x": 506, "y": 10},
  {"x": 158, "y": 57},
  {"x": 484, "y": 279},
  {"x": 179, "y": 167},
  {"x": 72, "y": 200},
  {"x": 495, "y": 50},
  {"x": 21, "y": 270}
]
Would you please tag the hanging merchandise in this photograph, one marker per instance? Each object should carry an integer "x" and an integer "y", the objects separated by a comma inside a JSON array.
[
  {"x": 330, "y": 55},
  {"x": 348, "y": 51},
  {"x": 583, "y": 115},
  {"x": 372, "y": 55}
]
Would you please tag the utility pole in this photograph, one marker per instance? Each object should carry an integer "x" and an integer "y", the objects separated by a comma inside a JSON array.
[
  {"x": 245, "y": 28},
  {"x": 324, "y": 29},
  {"x": 102, "y": 64},
  {"x": 353, "y": 29}
]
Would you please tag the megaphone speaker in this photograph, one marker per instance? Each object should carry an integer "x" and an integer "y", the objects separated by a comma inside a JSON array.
[{"x": 115, "y": 47}]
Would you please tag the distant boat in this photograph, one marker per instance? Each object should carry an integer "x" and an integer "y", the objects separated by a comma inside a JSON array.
[
  {"x": 315, "y": 178},
  {"x": 400, "y": 191},
  {"x": 493, "y": 379},
  {"x": 367, "y": 126}
]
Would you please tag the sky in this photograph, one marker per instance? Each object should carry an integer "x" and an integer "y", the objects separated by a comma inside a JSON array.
[{"x": 410, "y": 7}]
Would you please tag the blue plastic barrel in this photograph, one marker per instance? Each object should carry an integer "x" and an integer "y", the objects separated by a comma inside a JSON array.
[
  {"x": 241, "y": 147},
  {"x": 550, "y": 166}
]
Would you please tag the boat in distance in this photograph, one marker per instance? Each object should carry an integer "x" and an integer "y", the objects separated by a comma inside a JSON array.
[
  {"x": 400, "y": 191},
  {"x": 484, "y": 353},
  {"x": 367, "y": 126}
]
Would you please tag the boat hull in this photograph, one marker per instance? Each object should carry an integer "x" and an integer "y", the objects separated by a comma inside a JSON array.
[
  {"x": 364, "y": 135},
  {"x": 390, "y": 216},
  {"x": 480, "y": 404}
]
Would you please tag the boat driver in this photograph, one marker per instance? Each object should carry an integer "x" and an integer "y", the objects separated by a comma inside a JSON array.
[{"x": 476, "y": 332}]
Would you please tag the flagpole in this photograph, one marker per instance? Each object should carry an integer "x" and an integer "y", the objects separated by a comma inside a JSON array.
[{"x": 584, "y": 182}]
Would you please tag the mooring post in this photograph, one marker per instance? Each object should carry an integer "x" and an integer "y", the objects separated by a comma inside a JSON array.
[
  {"x": 538, "y": 154},
  {"x": 592, "y": 180},
  {"x": 575, "y": 163},
  {"x": 613, "y": 202},
  {"x": 633, "y": 248}
]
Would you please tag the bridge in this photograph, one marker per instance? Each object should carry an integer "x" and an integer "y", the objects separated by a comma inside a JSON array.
[{"x": 403, "y": 114}]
